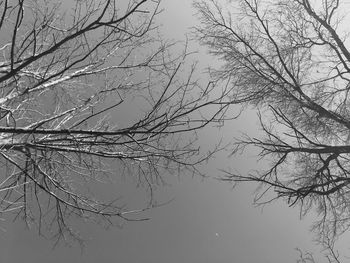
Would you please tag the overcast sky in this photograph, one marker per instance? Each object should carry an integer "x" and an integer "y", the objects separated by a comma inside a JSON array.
[{"x": 206, "y": 222}]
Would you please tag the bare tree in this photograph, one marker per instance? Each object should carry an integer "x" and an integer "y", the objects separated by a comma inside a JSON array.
[
  {"x": 329, "y": 253},
  {"x": 290, "y": 60},
  {"x": 69, "y": 71}
]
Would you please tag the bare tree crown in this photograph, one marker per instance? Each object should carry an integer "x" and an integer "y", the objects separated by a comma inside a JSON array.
[
  {"x": 290, "y": 59},
  {"x": 68, "y": 73}
]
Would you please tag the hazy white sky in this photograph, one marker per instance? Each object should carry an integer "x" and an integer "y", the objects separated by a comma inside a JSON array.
[{"x": 206, "y": 222}]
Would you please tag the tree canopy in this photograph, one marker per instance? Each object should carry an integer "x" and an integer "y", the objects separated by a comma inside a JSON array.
[
  {"x": 90, "y": 91},
  {"x": 290, "y": 60}
]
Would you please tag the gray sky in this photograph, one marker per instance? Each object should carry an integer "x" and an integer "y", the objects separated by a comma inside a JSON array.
[{"x": 206, "y": 222}]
